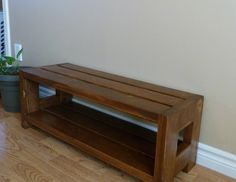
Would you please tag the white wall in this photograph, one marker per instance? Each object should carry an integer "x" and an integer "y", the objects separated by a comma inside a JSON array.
[{"x": 184, "y": 44}]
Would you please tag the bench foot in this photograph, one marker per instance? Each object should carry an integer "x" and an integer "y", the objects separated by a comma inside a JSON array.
[
  {"x": 189, "y": 167},
  {"x": 25, "y": 124}
]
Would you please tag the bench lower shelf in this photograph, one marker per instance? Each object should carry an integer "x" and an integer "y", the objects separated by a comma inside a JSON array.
[{"x": 122, "y": 144}]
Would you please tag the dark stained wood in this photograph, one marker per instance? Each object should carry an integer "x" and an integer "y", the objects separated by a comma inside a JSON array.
[
  {"x": 98, "y": 125},
  {"x": 129, "y": 81},
  {"x": 160, "y": 151},
  {"x": 48, "y": 101},
  {"x": 193, "y": 132},
  {"x": 112, "y": 121},
  {"x": 147, "y": 155},
  {"x": 116, "y": 85},
  {"x": 63, "y": 96},
  {"x": 136, "y": 106},
  {"x": 168, "y": 143},
  {"x": 181, "y": 161},
  {"x": 94, "y": 143},
  {"x": 29, "y": 94},
  {"x": 182, "y": 157},
  {"x": 60, "y": 97}
]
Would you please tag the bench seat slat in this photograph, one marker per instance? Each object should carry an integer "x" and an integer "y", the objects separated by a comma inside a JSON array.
[
  {"x": 129, "y": 81},
  {"x": 116, "y": 85},
  {"x": 129, "y": 104}
]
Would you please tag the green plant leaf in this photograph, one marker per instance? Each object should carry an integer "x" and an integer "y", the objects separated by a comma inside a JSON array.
[
  {"x": 10, "y": 65},
  {"x": 19, "y": 53},
  {"x": 10, "y": 60}
]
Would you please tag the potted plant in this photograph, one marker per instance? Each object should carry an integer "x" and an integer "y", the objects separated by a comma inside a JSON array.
[{"x": 9, "y": 82}]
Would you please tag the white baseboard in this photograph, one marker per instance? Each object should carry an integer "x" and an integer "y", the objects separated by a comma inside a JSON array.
[
  {"x": 217, "y": 160},
  {"x": 207, "y": 156},
  {"x": 44, "y": 92}
]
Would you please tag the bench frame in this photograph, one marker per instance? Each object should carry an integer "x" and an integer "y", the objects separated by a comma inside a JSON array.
[{"x": 171, "y": 155}]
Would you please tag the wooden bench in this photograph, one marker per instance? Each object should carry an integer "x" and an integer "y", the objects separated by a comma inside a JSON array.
[{"x": 145, "y": 154}]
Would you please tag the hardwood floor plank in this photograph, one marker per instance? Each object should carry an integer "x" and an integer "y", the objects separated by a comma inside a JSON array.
[
  {"x": 83, "y": 159},
  {"x": 204, "y": 174},
  {"x": 7, "y": 175},
  {"x": 63, "y": 149},
  {"x": 71, "y": 168},
  {"x": 30, "y": 173},
  {"x": 30, "y": 156},
  {"x": 45, "y": 167}
]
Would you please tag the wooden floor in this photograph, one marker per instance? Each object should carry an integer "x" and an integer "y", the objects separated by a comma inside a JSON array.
[{"x": 33, "y": 156}]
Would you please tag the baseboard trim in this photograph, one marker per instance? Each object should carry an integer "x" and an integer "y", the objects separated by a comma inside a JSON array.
[
  {"x": 217, "y": 160},
  {"x": 207, "y": 156},
  {"x": 45, "y": 92}
]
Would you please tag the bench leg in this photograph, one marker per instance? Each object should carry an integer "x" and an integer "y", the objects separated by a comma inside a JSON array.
[
  {"x": 167, "y": 161},
  {"x": 29, "y": 94},
  {"x": 166, "y": 150},
  {"x": 63, "y": 96},
  {"x": 191, "y": 135},
  {"x": 60, "y": 97}
]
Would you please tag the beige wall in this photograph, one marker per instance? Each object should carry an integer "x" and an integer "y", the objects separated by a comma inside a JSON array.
[{"x": 185, "y": 44}]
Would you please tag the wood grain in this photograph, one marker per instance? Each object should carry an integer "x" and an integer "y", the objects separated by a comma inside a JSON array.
[{"x": 104, "y": 137}]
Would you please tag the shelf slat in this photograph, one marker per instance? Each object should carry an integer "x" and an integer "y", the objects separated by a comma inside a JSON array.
[
  {"x": 78, "y": 131},
  {"x": 108, "y": 119},
  {"x": 98, "y": 126}
]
